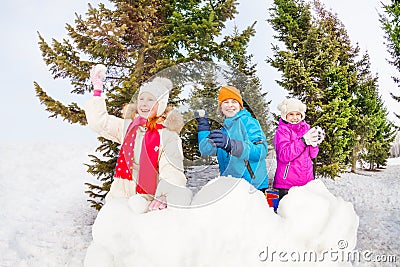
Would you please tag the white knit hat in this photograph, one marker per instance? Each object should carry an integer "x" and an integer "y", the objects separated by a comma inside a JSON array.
[
  {"x": 292, "y": 105},
  {"x": 159, "y": 87}
]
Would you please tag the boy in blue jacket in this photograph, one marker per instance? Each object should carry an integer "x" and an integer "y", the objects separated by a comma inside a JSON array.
[{"x": 241, "y": 146}]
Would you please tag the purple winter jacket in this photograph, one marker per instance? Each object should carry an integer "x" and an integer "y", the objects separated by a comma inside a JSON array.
[{"x": 294, "y": 165}]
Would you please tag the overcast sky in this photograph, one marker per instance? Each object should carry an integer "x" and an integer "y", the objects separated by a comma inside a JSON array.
[{"x": 24, "y": 119}]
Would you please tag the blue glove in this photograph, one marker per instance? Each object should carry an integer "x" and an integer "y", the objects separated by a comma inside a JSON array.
[
  {"x": 221, "y": 140},
  {"x": 202, "y": 120}
]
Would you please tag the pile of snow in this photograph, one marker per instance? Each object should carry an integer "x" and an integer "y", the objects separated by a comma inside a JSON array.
[
  {"x": 230, "y": 224},
  {"x": 376, "y": 200},
  {"x": 45, "y": 219}
]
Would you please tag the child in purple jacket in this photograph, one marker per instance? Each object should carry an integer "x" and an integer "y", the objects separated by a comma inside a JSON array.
[{"x": 296, "y": 145}]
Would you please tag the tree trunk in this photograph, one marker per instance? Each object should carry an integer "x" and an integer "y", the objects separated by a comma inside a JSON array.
[{"x": 354, "y": 160}]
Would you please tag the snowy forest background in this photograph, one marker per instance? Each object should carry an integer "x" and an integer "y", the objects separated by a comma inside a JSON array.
[{"x": 313, "y": 53}]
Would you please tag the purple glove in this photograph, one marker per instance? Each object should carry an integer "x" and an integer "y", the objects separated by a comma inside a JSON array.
[
  {"x": 97, "y": 76},
  {"x": 221, "y": 140}
]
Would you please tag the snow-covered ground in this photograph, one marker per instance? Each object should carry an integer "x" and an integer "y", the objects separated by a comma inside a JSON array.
[
  {"x": 46, "y": 221},
  {"x": 376, "y": 199},
  {"x": 44, "y": 217}
]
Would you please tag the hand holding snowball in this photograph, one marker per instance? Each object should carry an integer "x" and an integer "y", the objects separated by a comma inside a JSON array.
[
  {"x": 97, "y": 77},
  {"x": 314, "y": 136},
  {"x": 202, "y": 120},
  {"x": 159, "y": 203},
  {"x": 310, "y": 138}
]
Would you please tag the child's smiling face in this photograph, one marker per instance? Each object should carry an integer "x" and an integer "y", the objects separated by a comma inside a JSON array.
[
  {"x": 294, "y": 117},
  {"x": 147, "y": 105},
  {"x": 230, "y": 107}
]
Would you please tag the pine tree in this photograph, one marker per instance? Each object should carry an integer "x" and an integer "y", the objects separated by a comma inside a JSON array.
[
  {"x": 391, "y": 25},
  {"x": 364, "y": 102},
  {"x": 254, "y": 99},
  {"x": 136, "y": 40},
  {"x": 202, "y": 97},
  {"x": 377, "y": 148},
  {"x": 369, "y": 122}
]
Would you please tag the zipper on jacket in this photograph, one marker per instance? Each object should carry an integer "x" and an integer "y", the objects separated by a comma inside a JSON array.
[{"x": 286, "y": 171}]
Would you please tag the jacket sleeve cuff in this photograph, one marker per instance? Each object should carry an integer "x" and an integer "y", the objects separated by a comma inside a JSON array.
[
  {"x": 304, "y": 141},
  {"x": 121, "y": 188},
  {"x": 236, "y": 148}
]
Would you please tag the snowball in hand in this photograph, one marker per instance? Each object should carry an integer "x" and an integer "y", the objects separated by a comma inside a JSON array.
[{"x": 100, "y": 70}]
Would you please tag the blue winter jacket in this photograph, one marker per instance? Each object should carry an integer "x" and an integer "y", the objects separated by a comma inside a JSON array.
[{"x": 248, "y": 144}]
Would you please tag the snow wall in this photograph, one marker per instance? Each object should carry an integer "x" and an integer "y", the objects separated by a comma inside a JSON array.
[{"x": 312, "y": 227}]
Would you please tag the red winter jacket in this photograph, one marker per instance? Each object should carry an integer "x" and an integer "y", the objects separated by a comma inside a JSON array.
[{"x": 294, "y": 165}]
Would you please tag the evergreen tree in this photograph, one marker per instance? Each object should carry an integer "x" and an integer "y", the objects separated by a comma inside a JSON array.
[
  {"x": 369, "y": 123},
  {"x": 391, "y": 25},
  {"x": 202, "y": 97},
  {"x": 364, "y": 102},
  {"x": 250, "y": 85},
  {"x": 377, "y": 148},
  {"x": 136, "y": 40}
]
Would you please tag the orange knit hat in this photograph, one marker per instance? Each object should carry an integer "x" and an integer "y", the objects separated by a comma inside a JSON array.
[{"x": 227, "y": 92}]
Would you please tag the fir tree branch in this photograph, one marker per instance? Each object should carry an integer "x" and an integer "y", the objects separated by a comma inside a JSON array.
[{"x": 71, "y": 113}]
